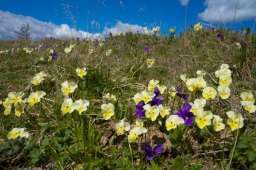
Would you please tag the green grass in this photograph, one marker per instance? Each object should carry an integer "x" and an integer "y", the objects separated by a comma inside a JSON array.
[{"x": 87, "y": 141}]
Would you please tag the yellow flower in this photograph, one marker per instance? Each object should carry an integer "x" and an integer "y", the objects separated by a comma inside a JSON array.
[
  {"x": 135, "y": 132},
  {"x": 194, "y": 84},
  {"x": 183, "y": 77},
  {"x": 68, "y": 88},
  {"x": 218, "y": 124},
  {"x": 109, "y": 97},
  {"x": 17, "y": 132},
  {"x": 200, "y": 73},
  {"x": 209, "y": 93},
  {"x": 15, "y": 97},
  {"x": 248, "y": 106},
  {"x": 19, "y": 109},
  {"x": 152, "y": 112},
  {"x": 224, "y": 92},
  {"x": 164, "y": 111},
  {"x": 203, "y": 119},
  {"x": 198, "y": 106},
  {"x": 38, "y": 78},
  {"x": 225, "y": 80},
  {"x": 156, "y": 30},
  {"x": 198, "y": 27},
  {"x": 172, "y": 92},
  {"x": 235, "y": 120},
  {"x": 152, "y": 85},
  {"x": 173, "y": 121},
  {"x": 108, "y": 52},
  {"x": 172, "y": 30},
  {"x": 35, "y": 97},
  {"x": 161, "y": 88},
  {"x": 107, "y": 110},
  {"x": 81, "y": 105},
  {"x": 122, "y": 127},
  {"x": 146, "y": 96},
  {"x": 247, "y": 96},
  {"x": 67, "y": 106},
  {"x": 81, "y": 72},
  {"x": 145, "y": 30},
  {"x": 28, "y": 50},
  {"x": 69, "y": 49},
  {"x": 137, "y": 98},
  {"x": 7, "y": 110},
  {"x": 150, "y": 62}
]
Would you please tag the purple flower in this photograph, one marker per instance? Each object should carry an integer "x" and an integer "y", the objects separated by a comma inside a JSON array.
[
  {"x": 152, "y": 153},
  {"x": 157, "y": 99},
  {"x": 180, "y": 93},
  {"x": 146, "y": 50},
  {"x": 219, "y": 36},
  {"x": 54, "y": 55},
  {"x": 140, "y": 112},
  {"x": 185, "y": 114}
]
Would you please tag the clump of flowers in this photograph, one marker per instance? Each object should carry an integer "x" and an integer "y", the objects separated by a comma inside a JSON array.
[{"x": 225, "y": 80}]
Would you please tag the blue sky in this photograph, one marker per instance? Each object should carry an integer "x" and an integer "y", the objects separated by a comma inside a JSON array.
[{"x": 95, "y": 15}]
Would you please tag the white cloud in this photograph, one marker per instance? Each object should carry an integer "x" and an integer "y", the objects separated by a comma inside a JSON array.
[
  {"x": 228, "y": 10},
  {"x": 10, "y": 23},
  {"x": 121, "y": 27},
  {"x": 184, "y": 2}
]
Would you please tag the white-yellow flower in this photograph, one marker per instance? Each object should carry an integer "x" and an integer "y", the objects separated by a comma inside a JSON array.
[
  {"x": 150, "y": 62},
  {"x": 217, "y": 123},
  {"x": 198, "y": 27},
  {"x": 17, "y": 132},
  {"x": 108, "y": 52},
  {"x": 67, "y": 106},
  {"x": 68, "y": 88},
  {"x": 203, "y": 119},
  {"x": 38, "y": 78},
  {"x": 198, "y": 106},
  {"x": 15, "y": 97},
  {"x": 224, "y": 92},
  {"x": 209, "y": 93},
  {"x": 109, "y": 97},
  {"x": 173, "y": 121},
  {"x": 107, "y": 110},
  {"x": 135, "y": 132},
  {"x": 247, "y": 96},
  {"x": 152, "y": 85},
  {"x": 69, "y": 49},
  {"x": 81, "y": 105},
  {"x": 146, "y": 96},
  {"x": 121, "y": 127},
  {"x": 164, "y": 111},
  {"x": 235, "y": 120},
  {"x": 19, "y": 109},
  {"x": 152, "y": 112},
  {"x": 81, "y": 72},
  {"x": 183, "y": 77},
  {"x": 35, "y": 97}
]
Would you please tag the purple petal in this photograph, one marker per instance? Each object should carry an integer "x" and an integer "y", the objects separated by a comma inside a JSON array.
[
  {"x": 180, "y": 93},
  {"x": 189, "y": 121},
  {"x": 157, "y": 91},
  {"x": 157, "y": 100},
  {"x": 186, "y": 107},
  {"x": 158, "y": 149},
  {"x": 140, "y": 113},
  {"x": 148, "y": 150}
]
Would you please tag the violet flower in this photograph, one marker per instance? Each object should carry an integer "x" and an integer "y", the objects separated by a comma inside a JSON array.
[
  {"x": 220, "y": 36},
  {"x": 140, "y": 112},
  {"x": 185, "y": 114},
  {"x": 54, "y": 55},
  {"x": 146, "y": 50},
  {"x": 157, "y": 99},
  {"x": 152, "y": 153},
  {"x": 180, "y": 93}
]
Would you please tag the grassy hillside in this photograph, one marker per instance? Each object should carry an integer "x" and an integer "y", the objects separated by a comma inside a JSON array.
[{"x": 118, "y": 66}]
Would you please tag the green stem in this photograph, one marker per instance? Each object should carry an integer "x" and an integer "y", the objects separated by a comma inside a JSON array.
[
  {"x": 130, "y": 148},
  {"x": 233, "y": 151}
]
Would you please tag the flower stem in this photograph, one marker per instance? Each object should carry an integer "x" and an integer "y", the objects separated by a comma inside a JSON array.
[{"x": 232, "y": 152}]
